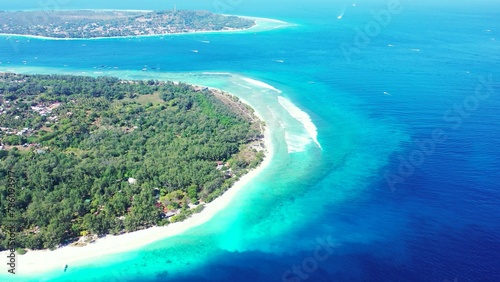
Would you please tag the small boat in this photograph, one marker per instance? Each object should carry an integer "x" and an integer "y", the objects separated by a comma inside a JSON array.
[{"x": 65, "y": 267}]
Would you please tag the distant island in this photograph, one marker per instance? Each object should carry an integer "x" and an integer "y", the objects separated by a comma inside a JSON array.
[
  {"x": 83, "y": 157},
  {"x": 81, "y": 24}
]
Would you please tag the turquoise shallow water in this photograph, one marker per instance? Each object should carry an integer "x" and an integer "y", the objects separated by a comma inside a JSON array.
[{"x": 368, "y": 112}]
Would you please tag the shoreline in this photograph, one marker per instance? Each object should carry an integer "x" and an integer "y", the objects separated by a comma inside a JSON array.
[
  {"x": 44, "y": 261},
  {"x": 258, "y": 22},
  {"x": 106, "y": 10}
]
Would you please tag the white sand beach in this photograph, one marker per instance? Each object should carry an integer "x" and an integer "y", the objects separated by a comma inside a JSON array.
[{"x": 38, "y": 262}]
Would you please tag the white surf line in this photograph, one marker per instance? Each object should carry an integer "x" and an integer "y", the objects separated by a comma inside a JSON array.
[
  {"x": 302, "y": 117},
  {"x": 217, "y": 73},
  {"x": 296, "y": 143},
  {"x": 260, "y": 84},
  {"x": 244, "y": 86}
]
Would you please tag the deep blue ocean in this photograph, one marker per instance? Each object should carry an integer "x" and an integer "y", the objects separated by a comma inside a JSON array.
[{"x": 404, "y": 97}]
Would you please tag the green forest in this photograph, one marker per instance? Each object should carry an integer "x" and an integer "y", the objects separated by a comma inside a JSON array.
[{"x": 107, "y": 156}]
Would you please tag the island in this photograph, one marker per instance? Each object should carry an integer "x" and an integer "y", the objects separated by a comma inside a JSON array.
[
  {"x": 83, "y": 157},
  {"x": 85, "y": 24}
]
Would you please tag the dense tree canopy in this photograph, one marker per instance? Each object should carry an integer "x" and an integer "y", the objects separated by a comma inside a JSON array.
[{"x": 102, "y": 155}]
